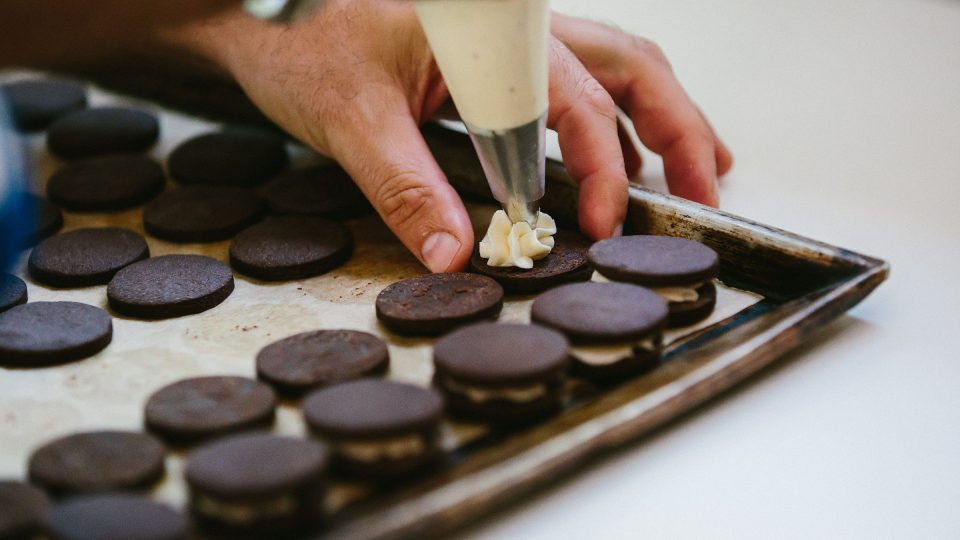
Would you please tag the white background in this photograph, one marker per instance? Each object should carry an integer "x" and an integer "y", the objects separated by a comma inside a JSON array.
[{"x": 844, "y": 118}]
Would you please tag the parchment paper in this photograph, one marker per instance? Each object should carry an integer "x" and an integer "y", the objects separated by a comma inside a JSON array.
[{"x": 108, "y": 391}]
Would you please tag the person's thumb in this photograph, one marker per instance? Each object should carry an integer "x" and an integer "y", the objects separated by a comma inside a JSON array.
[{"x": 394, "y": 168}]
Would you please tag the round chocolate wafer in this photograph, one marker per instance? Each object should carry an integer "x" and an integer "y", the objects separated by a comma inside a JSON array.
[
  {"x": 566, "y": 263},
  {"x": 97, "y": 461},
  {"x": 323, "y": 190},
  {"x": 113, "y": 516},
  {"x": 106, "y": 183},
  {"x": 170, "y": 286},
  {"x": 199, "y": 408},
  {"x": 83, "y": 257},
  {"x": 13, "y": 292},
  {"x": 201, "y": 213},
  {"x": 23, "y": 510},
  {"x": 35, "y": 103},
  {"x": 310, "y": 360},
  {"x": 237, "y": 157},
  {"x": 45, "y": 333},
  {"x": 435, "y": 303},
  {"x": 290, "y": 247},
  {"x": 101, "y": 131}
]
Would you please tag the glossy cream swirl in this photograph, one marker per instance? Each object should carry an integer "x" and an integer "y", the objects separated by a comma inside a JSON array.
[{"x": 517, "y": 244}]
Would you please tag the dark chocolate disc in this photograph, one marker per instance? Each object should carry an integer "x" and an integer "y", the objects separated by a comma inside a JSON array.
[
  {"x": 170, "y": 286},
  {"x": 435, "y": 303},
  {"x": 372, "y": 408},
  {"x": 201, "y": 213},
  {"x": 106, "y": 183},
  {"x": 324, "y": 191},
  {"x": 687, "y": 313},
  {"x": 501, "y": 354},
  {"x": 101, "y": 131},
  {"x": 115, "y": 517},
  {"x": 194, "y": 409},
  {"x": 238, "y": 157},
  {"x": 654, "y": 261},
  {"x": 290, "y": 247},
  {"x": 34, "y": 104},
  {"x": 601, "y": 312},
  {"x": 44, "y": 333},
  {"x": 13, "y": 292},
  {"x": 250, "y": 466},
  {"x": 23, "y": 510},
  {"x": 97, "y": 461},
  {"x": 310, "y": 360},
  {"x": 566, "y": 263},
  {"x": 85, "y": 257}
]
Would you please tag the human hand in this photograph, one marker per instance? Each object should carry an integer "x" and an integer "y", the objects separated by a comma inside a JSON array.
[{"x": 355, "y": 80}]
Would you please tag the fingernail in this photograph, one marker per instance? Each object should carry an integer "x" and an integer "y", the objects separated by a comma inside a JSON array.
[
  {"x": 617, "y": 231},
  {"x": 438, "y": 251}
]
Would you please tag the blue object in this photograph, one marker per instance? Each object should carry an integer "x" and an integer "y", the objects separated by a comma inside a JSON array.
[{"x": 15, "y": 214}]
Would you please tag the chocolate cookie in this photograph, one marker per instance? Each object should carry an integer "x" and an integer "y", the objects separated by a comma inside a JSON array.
[
  {"x": 46, "y": 219},
  {"x": 376, "y": 427},
  {"x": 290, "y": 247},
  {"x": 45, "y": 333},
  {"x": 101, "y": 131},
  {"x": 34, "y": 104},
  {"x": 435, "y": 303},
  {"x": 23, "y": 510},
  {"x": 107, "y": 183},
  {"x": 192, "y": 410},
  {"x": 201, "y": 213},
  {"x": 615, "y": 328},
  {"x": 257, "y": 484},
  {"x": 566, "y": 263},
  {"x": 501, "y": 372},
  {"x": 115, "y": 517},
  {"x": 85, "y": 257},
  {"x": 170, "y": 286},
  {"x": 97, "y": 461},
  {"x": 310, "y": 360},
  {"x": 324, "y": 191},
  {"x": 679, "y": 270},
  {"x": 13, "y": 292},
  {"x": 237, "y": 157}
]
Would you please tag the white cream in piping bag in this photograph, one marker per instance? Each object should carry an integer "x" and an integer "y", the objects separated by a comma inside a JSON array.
[
  {"x": 517, "y": 244},
  {"x": 493, "y": 56}
]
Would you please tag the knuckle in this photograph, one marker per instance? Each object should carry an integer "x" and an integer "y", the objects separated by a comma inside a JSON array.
[
  {"x": 401, "y": 197},
  {"x": 599, "y": 100},
  {"x": 646, "y": 47}
]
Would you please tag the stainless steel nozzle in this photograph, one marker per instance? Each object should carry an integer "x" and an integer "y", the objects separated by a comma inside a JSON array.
[{"x": 513, "y": 160}]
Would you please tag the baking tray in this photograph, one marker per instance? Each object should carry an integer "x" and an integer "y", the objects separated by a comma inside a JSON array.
[{"x": 795, "y": 286}]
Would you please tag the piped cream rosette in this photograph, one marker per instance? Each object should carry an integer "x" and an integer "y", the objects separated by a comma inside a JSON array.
[{"x": 517, "y": 244}]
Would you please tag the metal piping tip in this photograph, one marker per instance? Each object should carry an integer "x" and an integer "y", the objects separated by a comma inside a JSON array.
[
  {"x": 513, "y": 161},
  {"x": 518, "y": 211}
]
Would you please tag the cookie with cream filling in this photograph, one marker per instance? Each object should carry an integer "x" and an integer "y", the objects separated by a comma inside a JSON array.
[
  {"x": 257, "y": 484},
  {"x": 377, "y": 428},
  {"x": 615, "y": 328},
  {"x": 680, "y": 270},
  {"x": 503, "y": 373}
]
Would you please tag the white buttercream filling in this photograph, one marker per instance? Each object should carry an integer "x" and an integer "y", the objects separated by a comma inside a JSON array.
[
  {"x": 518, "y": 394},
  {"x": 686, "y": 293},
  {"x": 604, "y": 355},
  {"x": 243, "y": 513},
  {"x": 517, "y": 244},
  {"x": 386, "y": 448}
]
